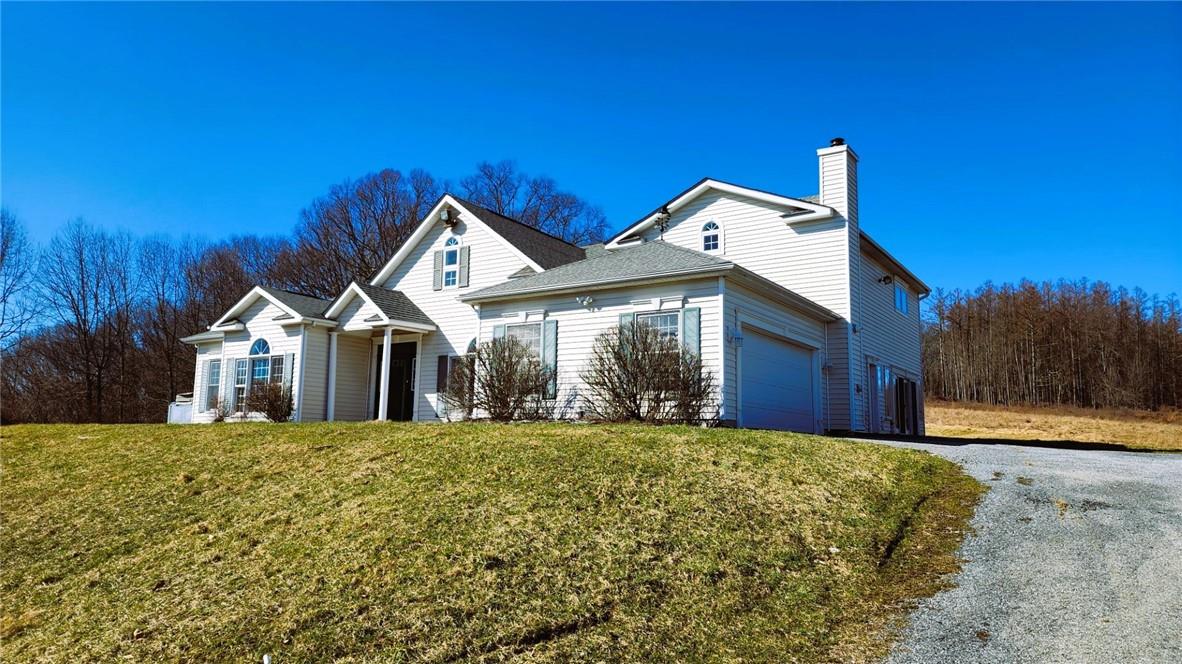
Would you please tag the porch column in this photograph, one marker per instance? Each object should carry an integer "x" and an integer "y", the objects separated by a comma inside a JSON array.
[
  {"x": 384, "y": 379},
  {"x": 330, "y": 409}
]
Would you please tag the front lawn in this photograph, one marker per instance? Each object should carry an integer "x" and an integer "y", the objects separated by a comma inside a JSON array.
[{"x": 380, "y": 542}]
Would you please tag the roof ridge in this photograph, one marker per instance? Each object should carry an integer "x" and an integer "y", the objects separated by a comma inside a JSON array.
[
  {"x": 291, "y": 292},
  {"x": 552, "y": 236}
]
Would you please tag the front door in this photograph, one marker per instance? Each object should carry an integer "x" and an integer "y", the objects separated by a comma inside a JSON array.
[
  {"x": 906, "y": 406},
  {"x": 402, "y": 382}
]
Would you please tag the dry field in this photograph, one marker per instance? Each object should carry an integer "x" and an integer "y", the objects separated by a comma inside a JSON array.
[{"x": 1139, "y": 429}]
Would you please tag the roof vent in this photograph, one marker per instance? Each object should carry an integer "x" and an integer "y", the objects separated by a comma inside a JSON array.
[{"x": 834, "y": 142}]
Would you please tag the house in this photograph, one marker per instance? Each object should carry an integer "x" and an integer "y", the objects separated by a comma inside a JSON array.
[{"x": 807, "y": 323}]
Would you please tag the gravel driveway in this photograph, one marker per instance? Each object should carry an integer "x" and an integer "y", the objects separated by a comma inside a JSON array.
[{"x": 1077, "y": 557}]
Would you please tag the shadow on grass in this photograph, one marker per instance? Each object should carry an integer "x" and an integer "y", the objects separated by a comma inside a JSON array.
[{"x": 959, "y": 442}]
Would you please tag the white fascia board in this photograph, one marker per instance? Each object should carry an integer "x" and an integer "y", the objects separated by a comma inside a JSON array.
[
  {"x": 254, "y": 294},
  {"x": 351, "y": 291},
  {"x": 425, "y": 226},
  {"x": 203, "y": 338},
  {"x": 815, "y": 211}
]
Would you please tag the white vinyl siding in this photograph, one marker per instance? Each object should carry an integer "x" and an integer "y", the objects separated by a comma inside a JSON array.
[
  {"x": 352, "y": 384},
  {"x": 578, "y": 327},
  {"x": 889, "y": 338},
  {"x": 313, "y": 402},
  {"x": 260, "y": 322},
  {"x": 808, "y": 259},
  {"x": 747, "y": 308},
  {"x": 490, "y": 262},
  {"x": 205, "y": 352}
]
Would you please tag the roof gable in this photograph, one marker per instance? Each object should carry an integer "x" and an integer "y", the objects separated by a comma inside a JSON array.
[
  {"x": 296, "y": 306},
  {"x": 803, "y": 210},
  {"x": 535, "y": 248},
  {"x": 393, "y": 307}
]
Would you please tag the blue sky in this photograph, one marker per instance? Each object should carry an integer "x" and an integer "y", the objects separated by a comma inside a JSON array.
[{"x": 997, "y": 141}]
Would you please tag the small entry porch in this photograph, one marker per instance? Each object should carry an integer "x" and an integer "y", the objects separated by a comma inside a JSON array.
[{"x": 374, "y": 355}]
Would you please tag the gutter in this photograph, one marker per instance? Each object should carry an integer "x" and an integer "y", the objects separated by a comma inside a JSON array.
[{"x": 709, "y": 271}]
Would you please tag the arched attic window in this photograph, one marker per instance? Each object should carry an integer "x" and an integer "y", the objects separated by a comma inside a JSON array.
[
  {"x": 711, "y": 237},
  {"x": 260, "y": 347}
]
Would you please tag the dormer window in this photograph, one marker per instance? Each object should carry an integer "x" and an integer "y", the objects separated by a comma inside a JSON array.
[
  {"x": 451, "y": 262},
  {"x": 711, "y": 237}
]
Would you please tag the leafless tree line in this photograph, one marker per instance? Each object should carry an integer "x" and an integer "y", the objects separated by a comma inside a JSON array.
[
  {"x": 90, "y": 323},
  {"x": 1082, "y": 343}
]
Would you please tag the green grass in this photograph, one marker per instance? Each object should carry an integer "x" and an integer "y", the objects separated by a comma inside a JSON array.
[{"x": 370, "y": 542}]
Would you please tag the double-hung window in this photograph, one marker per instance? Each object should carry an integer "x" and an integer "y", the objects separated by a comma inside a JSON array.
[
  {"x": 240, "y": 376},
  {"x": 529, "y": 334},
  {"x": 213, "y": 381},
  {"x": 901, "y": 304},
  {"x": 667, "y": 324},
  {"x": 451, "y": 263}
]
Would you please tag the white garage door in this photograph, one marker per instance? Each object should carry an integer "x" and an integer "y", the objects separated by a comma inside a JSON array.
[{"x": 776, "y": 384}]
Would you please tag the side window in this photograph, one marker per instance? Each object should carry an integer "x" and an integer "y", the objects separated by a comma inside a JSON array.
[
  {"x": 212, "y": 384},
  {"x": 240, "y": 376},
  {"x": 668, "y": 324},
  {"x": 711, "y": 237},
  {"x": 529, "y": 334},
  {"x": 901, "y": 304},
  {"x": 451, "y": 263}
]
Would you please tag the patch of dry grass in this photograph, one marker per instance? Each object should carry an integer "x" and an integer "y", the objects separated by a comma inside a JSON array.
[
  {"x": 1137, "y": 429},
  {"x": 436, "y": 543}
]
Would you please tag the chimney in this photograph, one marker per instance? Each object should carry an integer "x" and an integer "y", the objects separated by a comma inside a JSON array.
[{"x": 838, "y": 170}]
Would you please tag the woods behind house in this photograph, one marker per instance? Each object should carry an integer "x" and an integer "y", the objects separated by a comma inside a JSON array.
[
  {"x": 1079, "y": 343},
  {"x": 91, "y": 322}
]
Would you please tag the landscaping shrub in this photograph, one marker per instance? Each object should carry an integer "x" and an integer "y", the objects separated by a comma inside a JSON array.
[
  {"x": 503, "y": 380},
  {"x": 636, "y": 374},
  {"x": 272, "y": 400}
]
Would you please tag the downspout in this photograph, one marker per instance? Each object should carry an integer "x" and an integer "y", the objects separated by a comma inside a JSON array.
[{"x": 722, "y": 349}]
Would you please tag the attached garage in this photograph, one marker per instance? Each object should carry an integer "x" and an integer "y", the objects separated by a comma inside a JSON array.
[{"x": 777, "y": 384}]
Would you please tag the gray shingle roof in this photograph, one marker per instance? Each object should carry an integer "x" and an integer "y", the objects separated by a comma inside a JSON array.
[
  {"x": 545, "y": 249},
  {"x": 650, "y": 259},
  {"x": 395, "y": 304},
  {"x": 304, "y": 305}
]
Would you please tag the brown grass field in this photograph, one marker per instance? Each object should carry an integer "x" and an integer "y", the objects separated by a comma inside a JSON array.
[{"x": 1151, "y": 430}]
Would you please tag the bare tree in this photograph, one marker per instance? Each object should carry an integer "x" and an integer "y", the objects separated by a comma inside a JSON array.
[
  {"x": 88, "y": 281},
  {"x": 503, "y": 380},
  {"x": 17, "y": 310},
  {"x": 353, "y": 230},
  {"x": 636, "y": 374},
  {"x": 535, "y": 201},
  {"x": 1065, "y": 343}
]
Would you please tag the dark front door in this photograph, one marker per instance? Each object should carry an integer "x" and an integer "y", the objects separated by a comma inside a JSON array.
[
  {"x": 906, "y": 406},
  {"x": 402, "y": 382}
]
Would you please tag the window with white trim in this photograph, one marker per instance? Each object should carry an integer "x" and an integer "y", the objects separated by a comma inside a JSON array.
[
  {"x": 711, "y": 237},
  {"x": 212, "y": 383},
  {"x": 241, "y": 373},
  {"x": 668, "y": 324},
  {"x": 451, "y": 262},
  {"x": 901, "y": 303},
  {"x": 529, "y": 334}
]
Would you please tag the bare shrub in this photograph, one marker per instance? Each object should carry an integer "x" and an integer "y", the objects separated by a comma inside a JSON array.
[
  {"x": 272, "y": 400},
  {"x": 503, "y": 380},
  {"x": 636, "y": 374}
]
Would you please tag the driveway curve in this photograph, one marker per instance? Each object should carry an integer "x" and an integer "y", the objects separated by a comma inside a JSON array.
[{"x": 1076, "y": 557}]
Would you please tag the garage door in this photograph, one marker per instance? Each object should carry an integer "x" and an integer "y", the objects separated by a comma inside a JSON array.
[{"x": 776, "y": 386}]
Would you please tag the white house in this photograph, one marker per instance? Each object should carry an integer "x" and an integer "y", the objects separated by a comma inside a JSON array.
[{"x": 807, "y": 322}]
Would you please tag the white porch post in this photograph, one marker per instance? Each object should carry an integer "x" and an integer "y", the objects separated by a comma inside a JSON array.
[
  {"x": 384, "y": 385},
  {"x": 332, "y": 376}
]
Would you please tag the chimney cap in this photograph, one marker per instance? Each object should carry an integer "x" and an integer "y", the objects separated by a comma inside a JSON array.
[{"x": 834, "y": 142}]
